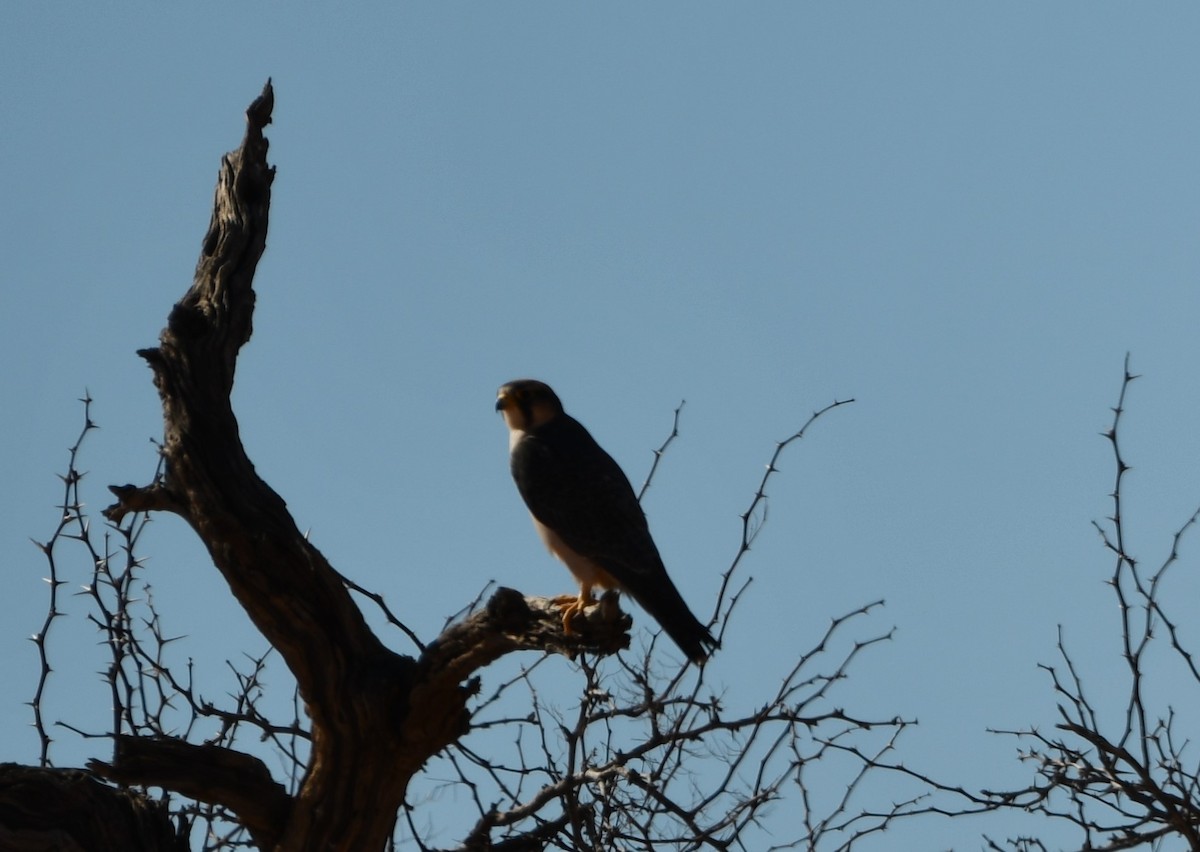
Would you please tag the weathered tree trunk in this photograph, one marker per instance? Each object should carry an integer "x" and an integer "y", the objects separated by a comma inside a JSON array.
[
  {"x": 376, "y": 716},
  {"x": 67, "y": 810}
]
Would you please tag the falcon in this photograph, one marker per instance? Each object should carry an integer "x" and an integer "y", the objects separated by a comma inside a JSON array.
[{"x": 587, "y": 514}]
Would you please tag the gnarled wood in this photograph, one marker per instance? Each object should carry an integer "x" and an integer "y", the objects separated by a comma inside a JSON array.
[
  {"x": 67, "y": 810},
  {"x": 221, "y": 776}
]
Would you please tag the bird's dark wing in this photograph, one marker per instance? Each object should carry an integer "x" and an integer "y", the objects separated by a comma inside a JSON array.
[{"x": 575, "y": 488}]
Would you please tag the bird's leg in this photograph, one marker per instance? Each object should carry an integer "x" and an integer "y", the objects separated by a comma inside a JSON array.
[{"x": 573, "y": 605}]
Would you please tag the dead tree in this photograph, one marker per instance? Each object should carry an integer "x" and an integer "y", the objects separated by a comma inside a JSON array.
[{"x": 367, "y": 719}]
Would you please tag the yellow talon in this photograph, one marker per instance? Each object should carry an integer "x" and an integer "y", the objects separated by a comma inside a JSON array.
[{"x": 573, "y": 605}]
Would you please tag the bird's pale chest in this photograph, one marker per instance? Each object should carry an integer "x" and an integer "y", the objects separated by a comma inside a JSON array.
[{"x": 587, "y": 572}]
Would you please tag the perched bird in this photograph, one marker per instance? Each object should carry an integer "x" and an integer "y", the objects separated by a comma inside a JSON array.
[{"x": 586, "y": 512}]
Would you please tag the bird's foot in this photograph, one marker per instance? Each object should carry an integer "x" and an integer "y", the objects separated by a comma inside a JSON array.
[{"x": 572, "y": 606}]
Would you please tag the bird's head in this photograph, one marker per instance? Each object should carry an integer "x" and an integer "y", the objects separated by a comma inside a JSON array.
[{"x": 527, "y": 404}]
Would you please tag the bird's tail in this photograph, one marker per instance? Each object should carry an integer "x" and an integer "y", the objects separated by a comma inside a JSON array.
[{"x": 692, "y": 637}]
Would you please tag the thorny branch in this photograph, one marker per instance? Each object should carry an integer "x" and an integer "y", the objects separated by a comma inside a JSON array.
[
  {"x": 755, "y": 516},
  {"x": 71, "y": 525},
  {"x": 662, "y": 450},
  {"x": 149, "y": 700},
  {"x": 1131, "y": 785},
  {"x": 642, "y": 763}
]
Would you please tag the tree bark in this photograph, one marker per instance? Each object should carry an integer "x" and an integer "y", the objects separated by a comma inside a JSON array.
[
  {"x": 204, "y": 772},
  {"x": 67, "y": 810}
]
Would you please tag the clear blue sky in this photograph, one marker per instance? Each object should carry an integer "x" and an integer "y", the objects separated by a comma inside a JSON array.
[{"x": 961, "y": 214}]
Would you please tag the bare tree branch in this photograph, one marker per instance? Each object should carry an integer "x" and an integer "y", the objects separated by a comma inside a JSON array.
[
  {"x": 70, "y": 517},
  {"x": 207, "y": 773},
  {"x": 1132, "y": 786}
]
